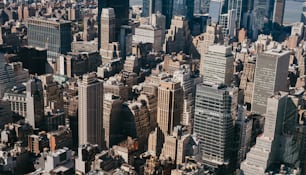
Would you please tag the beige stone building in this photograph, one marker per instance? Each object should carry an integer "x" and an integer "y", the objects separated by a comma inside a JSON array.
[
  {"x": 90, "y": 110},
  {"x": 169, "y": 105}
]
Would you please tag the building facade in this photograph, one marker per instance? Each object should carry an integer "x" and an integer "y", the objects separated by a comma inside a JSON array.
[
  {"x": 270, "y": 76},
  {"x": 54, "y": 35},
  {"x": 90, "y": 110},
  {"x": 213, "y": 125}
]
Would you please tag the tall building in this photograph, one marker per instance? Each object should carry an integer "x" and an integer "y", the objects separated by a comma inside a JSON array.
[
  {"x": 177, "y": 146},
  {"x": 136, "y": 122},
  {"x": 187, "y": 83},
  {"x": 35, "y": 102},
  {"x": 109, "y": 49},
  {"x": 270, "y": 76},
  {"x": 240, "y": 7},
  {"x": 217, "y": 66},
  {"x": 260, "y": 13},
  {"x": 201, "y": 6},
  {"x": 90, "y": 110},
  {"x": 149, "y": 34},
  {"x": 278, "y": 12},
  {"x": 171, "y": 8},
  {"x": 184, "y": 8},
  {"x": 228, "y": 23},
  {"x": 121, "y": 8},
  {"x": 212, "y": 35},
  {"x": 213, "y": 125},
  {"x": 52, "y": 34},
  {"x": 111, "y": 117},
  {"x": 178, "y": 37},
  {"x": 167, "y": 9},
  {"x": 151, "y": 6},
  {"x": 170, "y": 105},
  {"x": 108, "y": 25},
  {"x": 279, "y": 136},
  {"x": 303, "y": 15}
]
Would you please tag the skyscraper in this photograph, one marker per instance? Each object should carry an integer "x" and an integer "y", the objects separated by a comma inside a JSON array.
[
  {"x": 35, "y": 102},
  {"x": 151, "y": 6},
  {"x": 111, "y": 113},
  {"x": 184, "y": 8},
  {"x": 213, "y": 125},
  {"x": 121, "y": 8},
  {"x": 109, "y": 48},
  {"x": 228, "y": 23},
  {"x": 279, "y": 136},
  {"x": 51, "y": 34},
  {"x": 167, "y": 9},
  {"x": 178, "y": 37},
  {"x": 172, "y": 8},
  {"x": 278, "y": 11},
  {"x": 201, "y": 6},
  {"x": 217, "y": 65},
  {"x": 108, "y": 24},
  {"x": 170, "y": 105},
  {"x": 270, "y": 76},
  {"x": 240, "y": 7},
  {"x": 90, "y": 110}
]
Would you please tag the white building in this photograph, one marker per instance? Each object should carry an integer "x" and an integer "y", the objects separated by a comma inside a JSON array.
[
  {"x": 60, "y": 157},
  {"x": 149, "y": 34},
  {"x": 218, "y": 65}
]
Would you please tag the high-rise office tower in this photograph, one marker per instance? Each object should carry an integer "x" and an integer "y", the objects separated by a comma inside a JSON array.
[
  {"x": 111, "y": 113},
  {"x": 201, "y": 6},
  {"x": 259, "y": 13},
  {"x": 270, "y": 76},
  {"x": 214, "y": 126},
  {"x": 280, "y": 136},
  {"x": 167, "y": 9},
  {"x": 121, "y": 8},
  {"x": 53, "y": 35},
  {"x": 303, "y": 15},
  {"x": 228, "y": 23},
  {"x": 149, "y": 34},
  {"x": 34, "y": 102},
  {"x": 91, "y": 110},
  {"x": 278, "y": 12},
  {"x": 109, "y": 48},
  {"x": 178, "y": 37},
  {"x": 151, "y": 6},
  {"x": 172, "y": 8},
  {"x": 136, "y": 122},
  {"x": 184, "y": 8},
  {"x": 108, "y": 24},
  {"x": 212, "y": 35},
  {"x": 240, "y": 7},
  {"x": 184, "y": 77},
  {"x": 217, "y": 65},
  {"x": 169, "y": 105}
]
